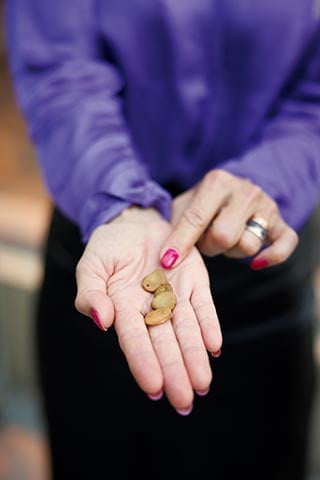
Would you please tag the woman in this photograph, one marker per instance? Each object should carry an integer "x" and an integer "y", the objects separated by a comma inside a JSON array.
[{"x": 184, "y": 136}]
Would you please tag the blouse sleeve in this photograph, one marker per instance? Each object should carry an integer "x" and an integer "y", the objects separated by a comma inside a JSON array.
[
  {"x": 71, "y": 99},
  {"x": 285, "y": 162}
]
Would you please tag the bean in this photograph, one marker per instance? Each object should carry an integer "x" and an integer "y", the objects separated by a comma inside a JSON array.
[
  {"x": 154, "y": 280},
  {"x": 158, "y": 316},
  {"x": 164, "y": 299},
  {"x": 166, "y": 287}
]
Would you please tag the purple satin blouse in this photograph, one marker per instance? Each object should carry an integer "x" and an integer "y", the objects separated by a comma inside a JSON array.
[{"x": 122, "y": 97}]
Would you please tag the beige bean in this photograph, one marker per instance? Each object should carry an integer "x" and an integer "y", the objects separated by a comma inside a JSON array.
[
  {"x": 156, "y": 317},
  {"x": 164, "y": 299},
  {"x": 154, "y": 280},
  {"x": 166, "y": 287}
]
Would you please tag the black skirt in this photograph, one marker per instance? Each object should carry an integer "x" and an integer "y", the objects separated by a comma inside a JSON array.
[{"x": 254, "y": 422}]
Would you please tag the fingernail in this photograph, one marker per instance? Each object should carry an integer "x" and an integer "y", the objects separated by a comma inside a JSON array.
[
  {"x": 95, "y": 317},
  {"x": 216, "y": 354},
  {"x": 169, "y": 258},
  {"x": 156, "y": 396},
  {"x": 259, "y": 263},
  {"x": 202, "y": 393},
  {"x": 185, "y": 411}
]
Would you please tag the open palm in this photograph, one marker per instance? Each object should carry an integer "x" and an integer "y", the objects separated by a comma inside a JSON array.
[{"x": 172, "y": 357}]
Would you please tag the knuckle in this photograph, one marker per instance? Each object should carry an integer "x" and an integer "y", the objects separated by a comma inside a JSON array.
[
  {"x": 194, "y": 217},
  {"x": 217, "y": 176},
  {"x": 274, "y": 216},
  {"x": 130, "y": 340},
  {"x": 249, "y": 246},
  {"x": 274, "y": 209},
  {"x": 225, "y": 240},
  {"x": 210, "y": 177},
  {"x": 247, "y": 185},
  {"x": 255, "y": 192}
]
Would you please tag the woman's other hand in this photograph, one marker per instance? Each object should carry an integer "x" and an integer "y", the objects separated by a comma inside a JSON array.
[
  {"x": 213, "y": 216},
  {"x": 172, "y": 357}
]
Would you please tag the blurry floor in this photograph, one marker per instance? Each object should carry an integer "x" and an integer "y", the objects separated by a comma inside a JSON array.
[{"x": 23, "y": 455}]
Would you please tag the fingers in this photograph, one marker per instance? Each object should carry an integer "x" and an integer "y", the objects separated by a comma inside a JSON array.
[
  {"x": 135, "y": 342},
  {"x": 215, "y": 221},
  {"x": 177, "y": 384},
  {"x": 227, "y": 231},
  {"x": 173, "y": 356},
  {"x": 283, "y": 241},
  {"x": 206, "y": 314},
  {"x": 197, "y": 330},
  {"x": 194, "y": 220},
  {"x": 92, "y": 299},
  {"x": 182, "y": 353},
  {"x": 162, "y": 360},
  {"x": 249, "y": 243},
  {"x": 280, "y": 243}
]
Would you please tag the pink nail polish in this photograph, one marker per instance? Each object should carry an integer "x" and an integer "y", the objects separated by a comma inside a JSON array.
[
  {"x": 169, "y": 258},
  {"x": 156, "y": 396},
  {"x": 259, "y": 263},
  {"x": 216, "y": 354},
  {"x": 202, "y": 393},
  {"x": 185, "y": 411},
  {"x": 95, "y": 317}
]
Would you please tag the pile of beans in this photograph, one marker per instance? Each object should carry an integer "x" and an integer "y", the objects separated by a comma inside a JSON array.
[{"x": 164, "y": 299}]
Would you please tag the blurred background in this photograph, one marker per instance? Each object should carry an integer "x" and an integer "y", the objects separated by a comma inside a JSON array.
[{"x": 24, "y": 213}]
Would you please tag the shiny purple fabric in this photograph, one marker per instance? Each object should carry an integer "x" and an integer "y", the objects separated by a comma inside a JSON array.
[{"x": 123, "y": 97}]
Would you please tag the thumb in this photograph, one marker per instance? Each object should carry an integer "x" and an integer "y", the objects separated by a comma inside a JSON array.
[
  {"x": 185, "y": 234},
  {"x": 92, "y": 299}
]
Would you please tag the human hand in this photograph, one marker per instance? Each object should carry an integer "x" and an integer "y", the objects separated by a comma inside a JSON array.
[
  {"x": 213, "y": 216},
  {"x": 172, "y": 357}
]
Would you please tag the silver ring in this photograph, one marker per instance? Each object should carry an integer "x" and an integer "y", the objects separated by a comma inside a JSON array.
[{"x": 258, "y": 229}]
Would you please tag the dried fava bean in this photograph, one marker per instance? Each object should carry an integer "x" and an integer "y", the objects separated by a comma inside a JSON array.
[
  {"x": 156, "y": 317},
  {"x": 166, "y": 287},
  {"x": 154, "y": 280},
  {"x": 164, "y": 299}
]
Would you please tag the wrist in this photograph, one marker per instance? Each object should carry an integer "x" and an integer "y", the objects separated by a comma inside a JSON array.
[{"x": 137, "y": 213}]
